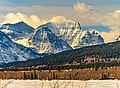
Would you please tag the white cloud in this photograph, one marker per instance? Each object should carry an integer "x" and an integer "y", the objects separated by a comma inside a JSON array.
[
  {"x": 82, "y": 7},
  {"x": 111, "y": 19},
  {"x": 32, "y": 20},
  {"x": 47, "y": 12}
]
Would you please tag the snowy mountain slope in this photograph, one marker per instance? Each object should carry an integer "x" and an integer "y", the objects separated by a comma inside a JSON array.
[
  {"x": 18, "y": 32},
  {"x": 90, "y": 38},
  {"x": 45, "y": 41},
  {"x": 71, "y": 32},
  {"x": 11, "y": 51}
]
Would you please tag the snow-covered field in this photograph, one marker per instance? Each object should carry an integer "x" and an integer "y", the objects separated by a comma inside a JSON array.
[{"x": 59, "y": 84}]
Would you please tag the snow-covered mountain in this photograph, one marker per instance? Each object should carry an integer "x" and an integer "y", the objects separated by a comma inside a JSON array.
[
  {"x": 59, "y": 34},
  {"x": 71, "y": 32},
  {"x": 24, "y": 34},
  {"x": 11, "y": 51},
  {"x": 90, "y": 38},
  {"x": 45, "y": 41},
  {"x": 19, "y": 32},
  {"x": 68, "y": 31}
]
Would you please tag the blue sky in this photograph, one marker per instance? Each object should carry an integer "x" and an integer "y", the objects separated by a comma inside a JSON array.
[{"x": 59, "y": 2}]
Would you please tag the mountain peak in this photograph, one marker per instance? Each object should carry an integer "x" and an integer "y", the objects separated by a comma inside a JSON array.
[
  {"x": 18, "y": 23},
  {"x": 18, "y": 30},
  {"x": 21, "y": 22}
]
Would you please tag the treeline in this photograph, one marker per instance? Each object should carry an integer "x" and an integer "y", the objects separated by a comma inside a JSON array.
[
  {"x": 96, "y": 66},
  {"x": 82, "y": 74},
  {"x": 105, "y": 52}
]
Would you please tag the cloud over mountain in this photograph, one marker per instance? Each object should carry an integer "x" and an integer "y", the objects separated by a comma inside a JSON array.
[{"x": 32, "y": 20}]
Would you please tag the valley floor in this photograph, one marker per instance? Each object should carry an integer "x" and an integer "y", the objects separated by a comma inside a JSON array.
[{"x": 59, "y": 84}]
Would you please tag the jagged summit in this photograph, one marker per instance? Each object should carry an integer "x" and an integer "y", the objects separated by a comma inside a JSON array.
[{"x": 91, "y": 38}]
